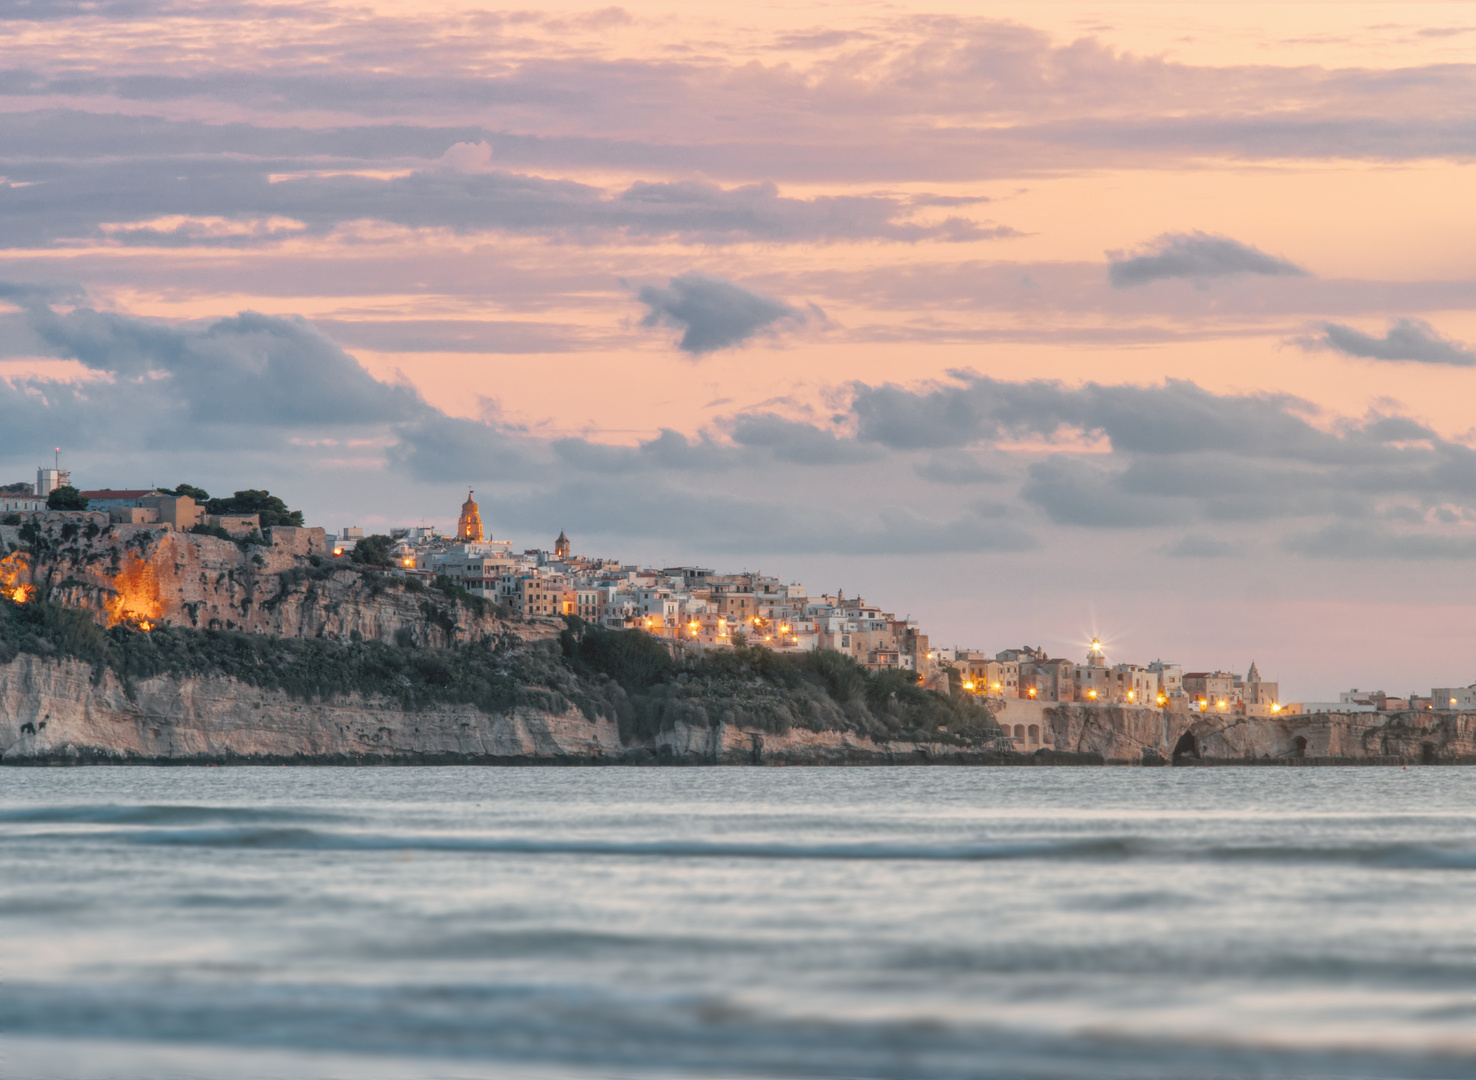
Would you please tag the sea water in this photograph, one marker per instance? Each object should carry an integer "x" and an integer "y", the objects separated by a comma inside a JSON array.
[{"x": 728, "y": 922}]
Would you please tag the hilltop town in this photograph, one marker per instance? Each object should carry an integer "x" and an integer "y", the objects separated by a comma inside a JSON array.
[{"x": 705, "y": 608}]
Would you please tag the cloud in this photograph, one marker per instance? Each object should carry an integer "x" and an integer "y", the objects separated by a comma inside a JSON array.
[
  {"x": 256, "y": 392},
  {"x": 230, "y": 197},
  {"x": 669, "y": 450},
  {"x": 251, "y": 369},
  {"x": 1175, "y": 417},
  {"x": 795, "y": 442},
  {"x": 724, "y": 521},
  {"x": 958, "y": 469},
  {"x": 712, "y": 313},
  {"x": 1196, "y": 257},
  {"x": 1076, "y": 492},
  {"x": 1406, "y": 339},
  {"x": 1203, "y": 547},
  {"x": 1362, "y": 540}
]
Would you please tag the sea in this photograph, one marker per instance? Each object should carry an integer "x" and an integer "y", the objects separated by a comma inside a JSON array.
[{"x": 923, "y": 922}]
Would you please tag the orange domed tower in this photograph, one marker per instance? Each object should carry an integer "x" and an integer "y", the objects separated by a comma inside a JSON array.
[{"x": 469, "y": 526}]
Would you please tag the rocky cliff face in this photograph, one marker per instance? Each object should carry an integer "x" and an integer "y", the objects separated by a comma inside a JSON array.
[
  {"x": 55, "y": 712},
  {"x": 59, "y": 712},
  {"x": 1128, "y": 735},
  {"x": 149, "y": 575}
]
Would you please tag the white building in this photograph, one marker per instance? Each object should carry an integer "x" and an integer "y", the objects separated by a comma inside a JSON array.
[{"x": 1453, "y": 697}]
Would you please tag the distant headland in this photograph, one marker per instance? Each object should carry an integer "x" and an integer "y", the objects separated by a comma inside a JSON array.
[{"x": 162, "y": 625}]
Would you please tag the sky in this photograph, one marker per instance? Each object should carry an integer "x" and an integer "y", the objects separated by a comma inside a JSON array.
[{"x": 1033, "y": 322}]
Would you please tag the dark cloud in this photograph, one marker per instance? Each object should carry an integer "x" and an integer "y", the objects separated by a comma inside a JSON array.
[
  {"x": 250, "y": 369},
  {"x": 1364, "y": 540},
  {"x": 795, "y": 442},
  {"x": 958, "y": 469},
  {"x": 1180, "y": 453},
  {"x": 712, "y": 313},
  {"x": 231, "y": 200},
  {"x": 1073, "y": 491},
  {"x": 1406, "y": 339},
  {"x": 1196, "y": 257},
  {"x": 1176, "y": 417},
  {"x": 435, "y": 448}
]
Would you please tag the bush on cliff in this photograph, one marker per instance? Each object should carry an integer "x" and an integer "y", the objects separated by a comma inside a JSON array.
[
  {"x": 270, "y": 509},
  {"x": 373, "y": 551},
  {"x": 66, "y": 497}
]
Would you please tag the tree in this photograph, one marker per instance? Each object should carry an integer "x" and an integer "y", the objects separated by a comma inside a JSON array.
[
  {"x": 373, "y": 550},
  {"x": 22, "y": 488},
  {"x": 272, "y": 510},
  {"x": 200, "y": 495},
  {"x": 66, "y": 497}
]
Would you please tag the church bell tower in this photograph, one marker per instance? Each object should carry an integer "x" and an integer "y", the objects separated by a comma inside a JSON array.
[{"x": 469, "y": 526}]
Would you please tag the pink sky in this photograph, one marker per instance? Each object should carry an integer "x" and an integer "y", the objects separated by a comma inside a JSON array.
[{"x": 1173, "y": 301}]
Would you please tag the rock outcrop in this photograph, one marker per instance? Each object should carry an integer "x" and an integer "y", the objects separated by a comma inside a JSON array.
[
  {"x": 1133, "y": 736},
  {"x": 283, "y": 587}
]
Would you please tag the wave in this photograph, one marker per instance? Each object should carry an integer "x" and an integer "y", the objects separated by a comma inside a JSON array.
[
  {"x": 643, "y": 1034},
  {"x": 250, "y": 827},
  {"x": 155, "y": 814}
]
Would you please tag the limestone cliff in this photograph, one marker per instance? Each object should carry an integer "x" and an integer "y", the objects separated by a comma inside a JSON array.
[
  {"x": 1131, "y": 735},
  {"x": 57, "y": 712},
  {"x": 282, "y": 587}
]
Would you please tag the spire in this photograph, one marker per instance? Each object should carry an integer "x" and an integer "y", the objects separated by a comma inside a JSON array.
[
  {"x": 1253, "y": 675},
  {"x": 561, "y": 546}
]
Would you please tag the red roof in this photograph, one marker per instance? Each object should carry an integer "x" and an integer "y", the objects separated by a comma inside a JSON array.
[{"x": 109, "y": 493}]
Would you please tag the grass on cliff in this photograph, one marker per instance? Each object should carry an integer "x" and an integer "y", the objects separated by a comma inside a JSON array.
[{"x": 626, "y": 675}]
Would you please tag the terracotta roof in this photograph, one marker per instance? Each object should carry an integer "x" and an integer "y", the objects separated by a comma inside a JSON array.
[{"x": 109, "y": 493}]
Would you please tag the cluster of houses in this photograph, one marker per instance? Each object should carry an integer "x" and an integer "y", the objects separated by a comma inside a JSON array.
[
  {"x": 687, "y": 603},
  {"x": 702, "y": 607}
]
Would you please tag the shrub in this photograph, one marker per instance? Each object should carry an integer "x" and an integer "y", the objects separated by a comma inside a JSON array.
[
  {"x": 373, "y": 551},
  {"x": 66, "y": 497},
  {"x": 269, "y": 508}
]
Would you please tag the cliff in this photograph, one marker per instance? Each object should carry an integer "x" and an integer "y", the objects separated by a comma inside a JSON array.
[
  {"x": 1151, "y": 736},
  {"x": 283, "y": 586},
  {"x": 136, "y": 643},
  {"x": 63, "y": 711},
  {"x": 60, "y": 712}
]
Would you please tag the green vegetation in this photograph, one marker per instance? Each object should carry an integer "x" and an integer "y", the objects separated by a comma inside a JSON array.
[
  {"x": 272, "y": 510},
  {"x": 200, "y": 495},
  {"x": 623, "y": 674},
  {"x": 66, "y": 497},
  {"x": 373, "y": 550},
  {"x": 649, "y": 690},
  {"x": 21, "y": 488}
]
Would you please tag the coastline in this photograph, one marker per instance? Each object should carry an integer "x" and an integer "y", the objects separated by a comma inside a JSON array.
[{"x": 60, "y": 712}]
